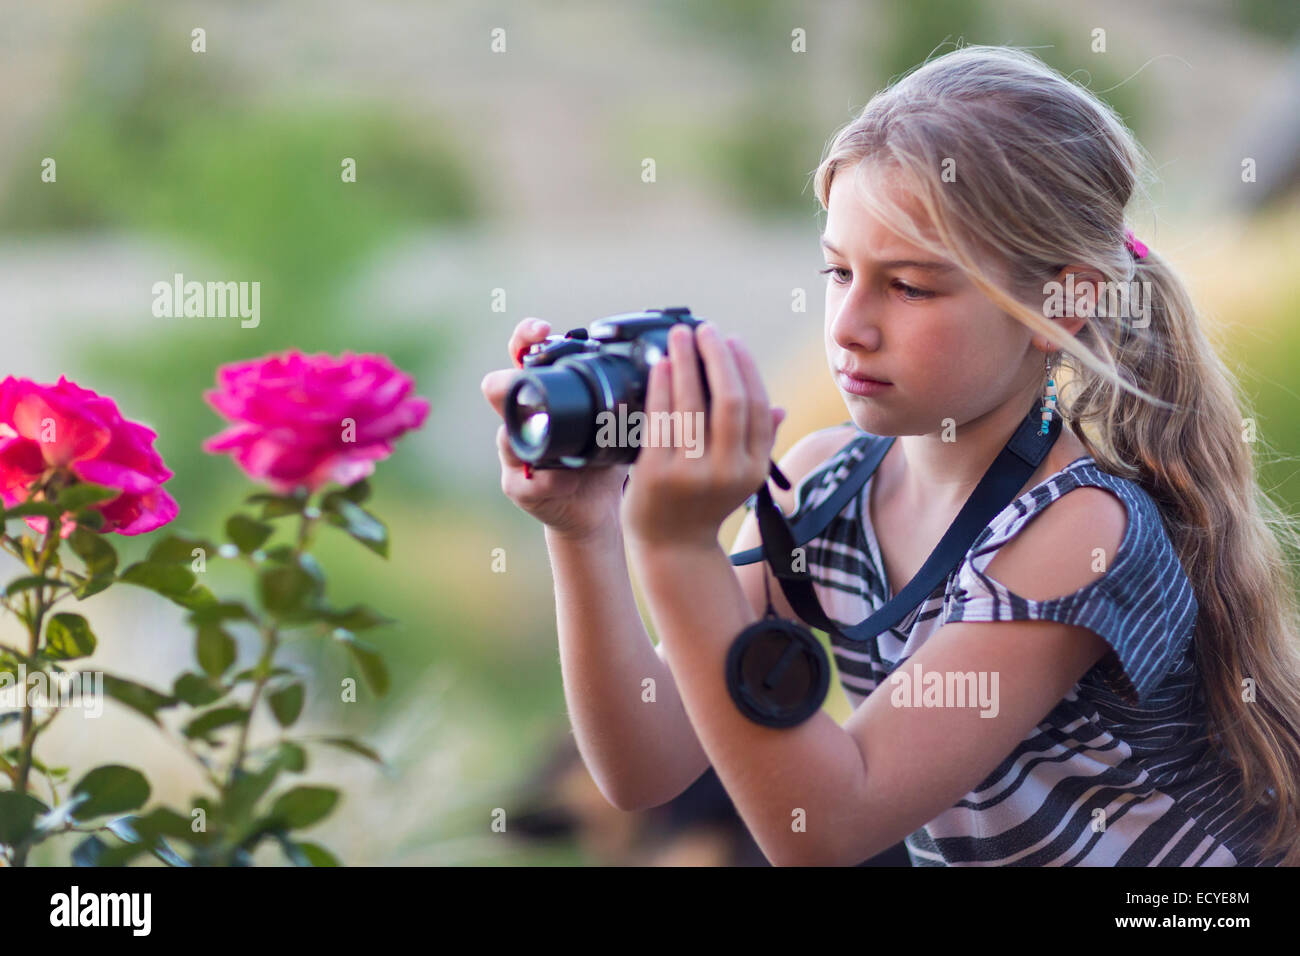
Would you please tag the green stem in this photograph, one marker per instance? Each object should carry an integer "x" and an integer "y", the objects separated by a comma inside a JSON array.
[
  {"x": 270, "y": 640},
  {"x": 35, "y": 619},
  {"x": 270, "y": 643}
]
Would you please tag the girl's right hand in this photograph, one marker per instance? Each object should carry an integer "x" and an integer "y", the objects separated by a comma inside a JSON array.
[{"x": 574, "y": 502}]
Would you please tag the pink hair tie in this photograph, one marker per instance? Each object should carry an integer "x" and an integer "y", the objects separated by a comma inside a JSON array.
[{"x": 1135, "y": 245}]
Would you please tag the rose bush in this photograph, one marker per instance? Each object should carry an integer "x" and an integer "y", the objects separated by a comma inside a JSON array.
[{"x": 312, "y": 429}]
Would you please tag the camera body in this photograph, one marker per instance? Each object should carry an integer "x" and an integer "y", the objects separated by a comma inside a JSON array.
[{"x": 554, "y": 404}]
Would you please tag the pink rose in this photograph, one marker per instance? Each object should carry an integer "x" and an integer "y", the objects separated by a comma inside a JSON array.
[
  {"x": 72, "y": 429},
  {"x": 305, "y": 420}
]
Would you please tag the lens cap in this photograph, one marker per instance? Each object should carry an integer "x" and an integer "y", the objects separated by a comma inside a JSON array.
[{"x": 777, "y": 672}]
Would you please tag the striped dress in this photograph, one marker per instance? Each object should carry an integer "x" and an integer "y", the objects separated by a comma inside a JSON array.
[{"x": 1130, "y": 737}]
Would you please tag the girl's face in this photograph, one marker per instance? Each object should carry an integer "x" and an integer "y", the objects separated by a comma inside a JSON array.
[{"x": 897, "y": 314}]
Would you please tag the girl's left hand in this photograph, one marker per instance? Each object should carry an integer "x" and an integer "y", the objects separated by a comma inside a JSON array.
[{"x": 680, "y": 493}]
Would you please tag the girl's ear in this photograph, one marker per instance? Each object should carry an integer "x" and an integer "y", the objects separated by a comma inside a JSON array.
[{"x": 1078, "y": 289}]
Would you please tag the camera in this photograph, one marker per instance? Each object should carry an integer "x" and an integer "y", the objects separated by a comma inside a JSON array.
[{"x": 570, "y": 382}]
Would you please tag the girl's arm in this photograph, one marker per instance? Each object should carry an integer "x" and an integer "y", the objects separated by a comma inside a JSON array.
[
  {"x": 641, "y": 753},
  {"x": 819, "y": 793},
  {"x": 824, "y": 795}
]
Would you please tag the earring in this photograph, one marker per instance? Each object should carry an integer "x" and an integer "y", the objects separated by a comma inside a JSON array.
[{"x": 1049, "y": 394}]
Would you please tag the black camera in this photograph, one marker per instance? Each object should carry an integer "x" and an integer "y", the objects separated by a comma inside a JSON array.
[{"x": 570, "y": 383}]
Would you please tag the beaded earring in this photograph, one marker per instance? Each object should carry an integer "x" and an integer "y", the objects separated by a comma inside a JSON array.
[{"x": 1049, "y": 394}]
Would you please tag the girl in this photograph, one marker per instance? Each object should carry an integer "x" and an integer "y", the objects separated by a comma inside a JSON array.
[{"x": 1131, "y": 607}]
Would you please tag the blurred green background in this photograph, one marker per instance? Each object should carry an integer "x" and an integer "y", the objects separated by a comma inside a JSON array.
[{"x": 515, "y": 177}]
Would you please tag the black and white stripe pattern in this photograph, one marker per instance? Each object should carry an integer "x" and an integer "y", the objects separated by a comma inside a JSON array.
[{"x": 1129, "y": 739}]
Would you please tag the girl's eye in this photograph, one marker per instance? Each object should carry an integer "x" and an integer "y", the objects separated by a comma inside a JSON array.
[{"x": 910, "y": 292}]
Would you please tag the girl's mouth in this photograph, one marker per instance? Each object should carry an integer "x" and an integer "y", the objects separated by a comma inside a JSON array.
[{"x": 857, "y": 385}]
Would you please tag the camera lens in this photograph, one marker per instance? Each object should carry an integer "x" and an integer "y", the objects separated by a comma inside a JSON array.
[
  {"x": 549, "y": 414},
  {"x": 531, "y": 414}
]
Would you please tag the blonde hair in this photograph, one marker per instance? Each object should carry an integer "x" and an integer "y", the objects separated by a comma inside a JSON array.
[{"x": 1043, "y": 173}]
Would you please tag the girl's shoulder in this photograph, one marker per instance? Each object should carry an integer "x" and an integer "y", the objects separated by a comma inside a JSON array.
[
  {"x": 1144, "y": 529},
  {"x": 821, "y": 460},
  {"x": 1142, "y": 602}
]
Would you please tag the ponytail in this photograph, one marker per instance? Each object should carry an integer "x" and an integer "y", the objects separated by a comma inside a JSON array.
[{"x": 1044, "y": 173}]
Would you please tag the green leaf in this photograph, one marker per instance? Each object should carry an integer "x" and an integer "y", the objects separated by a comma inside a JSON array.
[
  {"x": 358, "y": 492},
  {"x": 248, "y": 535},
  {"x": 145, "y": 832},
  {"x": 286, "y": 704},
  {"x": 83, "y": 495},
  {"x": 354, "y": 746},
  {"x": 195, "y": 690},
  {"x": 357, "y": 618},
  {"x": 89, "y": 851},
  {"x": 35, "y": 509},
  {"x": 99, "y": 556},
  {"x": 68, "y": 636},
  {"x": 92, "y": 586},
  {"x": 285, "y": 591},
  {"x": 368, "y": 659},
  {"x": 291, "y": 757},
  {"x": 280, "y": 554},
  {"x": 220, "y": 611},
  {"x": 303, "y": 806},
  {"x": 110, "y": 789},
  {"x": 280, "y": 507},
  {"x": 309, "y": 564},
  {"x": 277, "y": 506},
  {"x": 198, "y": 599},
  {"x": 251, "y": 674},
  {"x": 169, "y": 580},
  {"x": 142, "y": 699},
  {"x": 178, "y": 549},
  {"x": 30, "y": 582},
  {"x": 161, "y": 822},
  {"x": 358, "y": 522},
  {"x": 18, "y": 813},
  {"x": 304, "y": 854},
  {"x": 89, "y": 518},
  {"x": 215, "y": 649},
  {"x": 204, "y": 724},
  {"x": 121, "y": 855},
  {"x": 248, "y": 788}
]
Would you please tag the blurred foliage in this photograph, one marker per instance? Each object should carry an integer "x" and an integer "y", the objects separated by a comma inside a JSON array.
[
  {"x": 764, "y": 153},
  {"x": 150, "y": 144},
  {"x": 755, "y": 28},
  {"x": 1266, "y": 367},
  {"x": 1279, "y": 19}
]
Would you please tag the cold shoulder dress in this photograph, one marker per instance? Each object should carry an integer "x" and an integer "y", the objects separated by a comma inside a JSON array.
[{"x": 1129, "y": 739}]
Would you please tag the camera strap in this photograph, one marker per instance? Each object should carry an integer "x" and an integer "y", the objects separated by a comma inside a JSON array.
[{"x": 1008, "y": 473}]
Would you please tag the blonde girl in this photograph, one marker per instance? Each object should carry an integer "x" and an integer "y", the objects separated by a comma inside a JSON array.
[{"x": 1132, "y": 605}]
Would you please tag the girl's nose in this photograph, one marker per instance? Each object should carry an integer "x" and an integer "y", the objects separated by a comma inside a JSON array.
[{"x": 854, "y": 328}]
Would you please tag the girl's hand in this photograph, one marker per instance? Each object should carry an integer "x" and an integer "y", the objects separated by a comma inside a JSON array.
[
  {"x": 674, "y": 498},
  {"x": 575, "y": 503}
]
